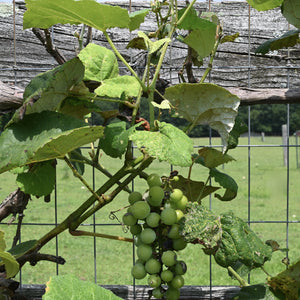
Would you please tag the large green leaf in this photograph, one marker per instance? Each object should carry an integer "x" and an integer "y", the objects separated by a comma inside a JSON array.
[
  {"x": 45, "y": 13},
  {"x": 65, "y": 287},
  {"x": 39, "y": 180},
  {"x": 205, "y": 103},
  {"x": 167, "y": 144},
  {"x": 264, "y": 4},
  {"x": 202, "y": 33},
  {"x": 291, "y": 11},
  {"x": 43, "y": 136},
  {"x": 136, "y": 18},
  {"x": 288, "y": 281},
  {"x": 240, "y": 244},
  {"x": 119, "y": 87},
  {"x": 46, "y": 91},
  {"x": 100, "y": 63},
  {"x": 288, "y": 39}
]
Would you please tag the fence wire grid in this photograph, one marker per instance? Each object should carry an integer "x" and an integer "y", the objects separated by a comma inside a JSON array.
[{"x": 289, "y": 220}]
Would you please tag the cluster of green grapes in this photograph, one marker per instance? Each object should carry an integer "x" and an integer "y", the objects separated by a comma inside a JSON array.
[{"x": 153, "y": 220}]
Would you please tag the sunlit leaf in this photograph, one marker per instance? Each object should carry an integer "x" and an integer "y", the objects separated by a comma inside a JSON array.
[
  {"x": 11, "y": 265},
  {"x": 45, "y": 13},
  {"x": 264, "y": 4},
  {"x": 291, "y": 11},
  {"x": 39, "y": 180},
  {"x": 227, "y": 182},
  {"x": 167, "y": 144},
  {"x": 136, "y": 18},
  {"x": 152, "y": 46},
  {"x": 99, "y": 62},
  {"x": 64, "y": 287},
  {"x": 43, "y": 136},
  {"x": 205, "y": 104},
  {"x": 122, "y": 86},
  {"x": 288, "y": 39}
]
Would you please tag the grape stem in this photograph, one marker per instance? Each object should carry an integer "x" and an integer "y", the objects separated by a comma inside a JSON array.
[{"x": 237, "y": 276}]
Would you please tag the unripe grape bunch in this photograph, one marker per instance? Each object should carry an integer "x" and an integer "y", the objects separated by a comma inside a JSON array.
[{"x": 153, "y": 220}]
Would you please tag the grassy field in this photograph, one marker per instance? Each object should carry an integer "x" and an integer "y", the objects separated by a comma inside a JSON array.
[{"x": 267, "y": 192}]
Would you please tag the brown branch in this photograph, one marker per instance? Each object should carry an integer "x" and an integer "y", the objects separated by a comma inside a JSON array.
[
  {"x": 34, "y": 258},
  {"x": 266, "y": 96},
  {"x": 46, "y": 40},
  {"x": 15, "y": 203}
]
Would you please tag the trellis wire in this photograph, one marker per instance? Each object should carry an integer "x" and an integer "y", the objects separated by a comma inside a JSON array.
[{"x": 15, "y": 69}]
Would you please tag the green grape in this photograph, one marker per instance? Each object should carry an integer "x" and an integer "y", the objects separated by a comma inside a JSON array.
[
  {"x": 138, "y": 271},
  {"x": 154, "y": 280},
  {"x": 129, "y": 219},
  {"x": 168, "y": 216},
  {"x": 152, "y": 266},
  {"x": 181, "y": 204},
  {"x": 144, "y": 252},
  {"x": 135, "y": 229},
  {"x": 148, "y": 236},
  {"x": 166, "y": 275},
  {"x": 177, "y": 282},
  {"x": 153, "y": 180},
  {"x": 179, "y": 244},
  {"x": 140, "y": 209},
  {"x": 180, "y": 268},
  {"x": 157, "y": 293},
  {"x": 174, "y": 232},
  {"x": 153, "y": 219},
  {"x": 172, "y": 293},
  {"x": 179, "y": 214},
  {"x": 176, "y": 195},
  {"x": 168, "y": 258},
  {"x": 134, "y": 197},
  {"x": 156, "y": 195}
]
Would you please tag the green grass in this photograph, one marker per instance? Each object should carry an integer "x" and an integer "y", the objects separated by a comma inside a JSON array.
[{"x": 268, "y": 195}]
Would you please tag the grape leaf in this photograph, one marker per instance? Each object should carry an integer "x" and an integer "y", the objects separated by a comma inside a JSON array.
[
  {"x": 20, "y": 249},
  {"x": 115, "y": 140},
  {"x": 288, "y": 39},
  {"x": 240, "y": 244},
  {"x": 39, "y": 180},
  {"x": 136, "y": 18},
  {"x": 119, "y": 87},
  {"x": 99, "y": 62},
  {"x": 288, "y": 281},
  {"x": 238, "y": 129},
  {"x": 229, "y": 38},
  {"x": 46, "y": 91},
  {"x": 227, "y": 182},
  {"x": 63, "y": 287},
  {"x": 205, "y": 103},
  {"x": 291, "y": 11},
  {"x": 167, "y": 144},
  {"x": 43, "y": 136},
  {"x": 264, "y": 4},
  {"x": 2, "y": 241},
  {"x": 46, "y": 13},
  {"x": 75, "y": 155},
  {"x": 212, "y": 158},
  {"x": 11, "y": 265},
  {"x": 152, "y": 47},
  {"x": 194, "y": 190},
  {"x": 202, "y": 35}
]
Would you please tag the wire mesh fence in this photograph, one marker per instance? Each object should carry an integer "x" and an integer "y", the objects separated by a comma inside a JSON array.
[{"x": 267, "y": 170}]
